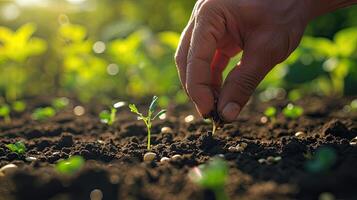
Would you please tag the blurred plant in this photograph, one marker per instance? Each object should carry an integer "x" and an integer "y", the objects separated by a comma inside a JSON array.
[
  {"x": 5, "y": 112},
  {"x": 18, "y": 106},
  {"x": 70, "y": 166},
  {"x": 43, "y": 113},
  {"x": 270, "y": 112},
  {"x": 149, "y": 118},
  {"x": 212, "y": 176},
  {"x": 18, "y": 147},
  {"x": 60, "y": 103},
  {"x": 322, "y": 160},
  {"x": 293, "y": 111},
  {"x": 107, "y": 117},
  {"x": 353, "y": 105}
]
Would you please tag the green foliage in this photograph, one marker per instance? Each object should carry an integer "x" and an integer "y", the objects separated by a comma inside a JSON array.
[
  {"x": 149, "y": 117},
  {"x": 5, "y": 112},
  {"x": 322, "y": 161},
  {"x": 293, "y": 111},
  {"x": 353, "y": 105},
  {"x": 107, "y": 117},
  {"x": 19, "y": 106},
  {"x": 270, "y": 112},
  {"x": 43, "y": 113},
  {"x": 18, "y": 147},
  {"x": 70, "y": 166},
  {"x": 211, "y": 176},
  {"x": 60, "y": 103}
]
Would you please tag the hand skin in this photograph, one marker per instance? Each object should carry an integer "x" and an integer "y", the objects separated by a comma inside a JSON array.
[{"x": 267, "y": 31}]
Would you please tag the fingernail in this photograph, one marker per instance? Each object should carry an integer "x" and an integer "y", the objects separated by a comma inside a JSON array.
[{"x": 230, "y": 111}]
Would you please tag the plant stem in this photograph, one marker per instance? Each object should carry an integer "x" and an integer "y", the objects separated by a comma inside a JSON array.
[
  {"x": 149, "y": 136},
  {"x": 220, "y": 194}
]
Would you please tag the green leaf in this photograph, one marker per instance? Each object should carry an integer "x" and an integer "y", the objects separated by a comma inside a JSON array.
[
  {"x": 292, "y": 111},
  {"x": 159, "y": 114},
  {"x": 322, "y": 161},
  {"x": 133, "y": 108},
  {"x": 17, "y": 147},
  {"x": 4, "y": 110},
  {"x": 60, "y": 103},
  {"x": 70, "y": 166},
  {"x": 104, "y": 116},
  {"x": 43, "y": 113},
  {"x": 153, "y": 104},
  {"x": 270, "y": 112},
  {"x": 19, "y": 106}
]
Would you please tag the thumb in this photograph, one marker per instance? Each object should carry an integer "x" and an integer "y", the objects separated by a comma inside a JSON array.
[{"x": 242, "y": 81}]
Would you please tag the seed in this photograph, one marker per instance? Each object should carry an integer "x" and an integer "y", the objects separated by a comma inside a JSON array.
[
  {"x": 149, "y": 156},
  {"x": 232, "y": 149},
  {"x": 79, "y": 110},
  {"x": 176, "y": 157},
  {"x": 164, "y": 159},
  {"x": 30, "y": 159},
  {"x": 8, "y": 168},
  {"x": 96, "y": 194},
  {"x": 166, "y": 130},
  {"x": 189, "y": 118},
  {"x": 300, "y": 134},
  {"x": 277, "y": 159},
  {"x": 261, "y": 160},
  {"x": 263, "y": 120},
  {"x": 353, "y": 142}
]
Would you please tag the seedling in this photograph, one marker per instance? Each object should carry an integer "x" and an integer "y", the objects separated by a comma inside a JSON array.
[
  {"x": 292, "y": 111},
  {"x": 109, "y": 118},
  {"x": 17, "y": 147},
  {"x": 19, "y": 106},
  {"x": 70, "y": 166},
  {"x": 60, "y": 103},
  {"x": 43, "y": 113},
  {"x": 322, "y": 161},
  {"x": 150, "y": 116},
  {"x": 270, "y": 112},
  {"x": 211, "y": 176},
  {"x": 5, "y": 113}
]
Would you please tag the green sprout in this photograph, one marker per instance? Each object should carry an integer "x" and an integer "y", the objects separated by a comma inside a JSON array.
[
  {"x": 107, "y": 117},
  {"x": 70, "y": 166},
  {"x": 60, "y": 103},
  {"x": 270, "y": 112},
  {"x": 322, "y": 161},
  {"x": 18, "y": 147},
  {"x": 150, "y": 116},
  {"x": 19, "y": 106},
  {"x": 212, "y": 176},
  {"x": 292, "y": 111},
  {"x": 5, "y": 113},
  {"x": 43, "y": 113}
]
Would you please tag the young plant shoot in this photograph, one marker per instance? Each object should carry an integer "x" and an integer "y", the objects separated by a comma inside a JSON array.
[
  {"x": 211, "y": 176},
  {"x": 43, "y": 113},
  {"x": 109, "y": 118},
  {"x": 150, "y": 116},
  {"x": 292, "y": 111},
  {"x": 70, "y": 166},
  {"x": 270, "y": 112},
  {"x": 18, "y": 147},
  {"x": 5, "y": 113}
]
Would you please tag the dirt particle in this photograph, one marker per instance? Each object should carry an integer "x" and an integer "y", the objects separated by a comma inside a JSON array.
[{"x": 337, "y": 128}]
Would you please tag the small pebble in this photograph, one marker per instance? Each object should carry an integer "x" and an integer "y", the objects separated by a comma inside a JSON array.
[
  {"x": 232, "y": 149},
  {"x": 263, "y": 120},
  {"x": 8, "y": 168},
  {"x": 277, "y": 159},
  {"x": 149, "y": 156},
  {"x": 262, "y": 160},
  {"x": 96, "y": 194},
  {"x": 100, "y": 141},
  {"x": 79, "y": 110},
  {"x": 243, "y": 144},
  {"x": 353, "y": 142},
  {"x": 164, "y": 159},
  {"x": 300, "y": 134},
  {"x": 189, "y": 118},
  {"x": 176, "y": 157},
  {"x": 30, "y": 159},
  {"x": 166, "y": 130}
]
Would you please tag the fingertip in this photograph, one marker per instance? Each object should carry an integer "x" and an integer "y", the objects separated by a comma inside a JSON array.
[{"x": 230, "y": 111}]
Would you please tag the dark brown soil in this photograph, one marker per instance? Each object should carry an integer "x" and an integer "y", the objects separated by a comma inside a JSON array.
[{"x": 115, "y": 155}]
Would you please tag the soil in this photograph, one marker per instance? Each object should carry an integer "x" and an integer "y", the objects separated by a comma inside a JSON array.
[{"x": 114, "y": 155}]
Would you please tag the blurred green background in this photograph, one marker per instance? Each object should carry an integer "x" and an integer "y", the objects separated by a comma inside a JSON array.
[{"x": 110, "y": 49}]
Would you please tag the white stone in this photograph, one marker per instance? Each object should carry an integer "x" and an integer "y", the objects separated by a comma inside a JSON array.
[
  {"x": 30, "y": 159},
  {"x": 176, "y": 157},
  {"x": 189, "y": 118},
  {"x": 300, "y": 134},
  {"x": 166, "y": 130},
  {"x": 164, "y": 159},
  {"x": 8, "y": 168}
]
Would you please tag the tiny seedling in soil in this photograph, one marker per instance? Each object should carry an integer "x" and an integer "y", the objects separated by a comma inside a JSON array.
[
  {"x": 270, "y": 112},
  {"x": 19, "y": 106},
  {"x": 292, "y": 111},
  {"x": 109, "y": 118},
  {"x": 150, "y": 116},
  {"x": 18, "y": 147},
  {"x": 70, "y": 166},
  {"x": 60, "y": 103},
  {"x": 43, "y": 113},
  {"x": 322, "y": 160},
  {"x": 212, "y": 176},
  {"x": 5, "y": 113}
]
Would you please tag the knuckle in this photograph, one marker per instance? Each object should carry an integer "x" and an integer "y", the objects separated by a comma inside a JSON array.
[{"x": 245, "y": 84}]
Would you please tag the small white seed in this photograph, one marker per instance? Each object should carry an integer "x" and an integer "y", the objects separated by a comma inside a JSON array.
[
  {"x": 149, "y": 156},
  {"x": 166, "y": 130},
  {"x": 353, "y": 142},
  {"x": 300, "y": 134},
  {"x": 164, "y": 159},
  {"x": 263, "y": 120},
  {"x": 261, "y": 160},
  {"x": 277, "y": 159},
  {"x": 8, "y": 168},
  {"x": 189, "y": 118},
  {"x": 30, "y": 159},
  {"x": 176, "y": 157}
]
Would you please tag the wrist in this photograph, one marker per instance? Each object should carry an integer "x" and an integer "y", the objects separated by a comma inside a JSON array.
[{"x": 317, "y": 8}]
